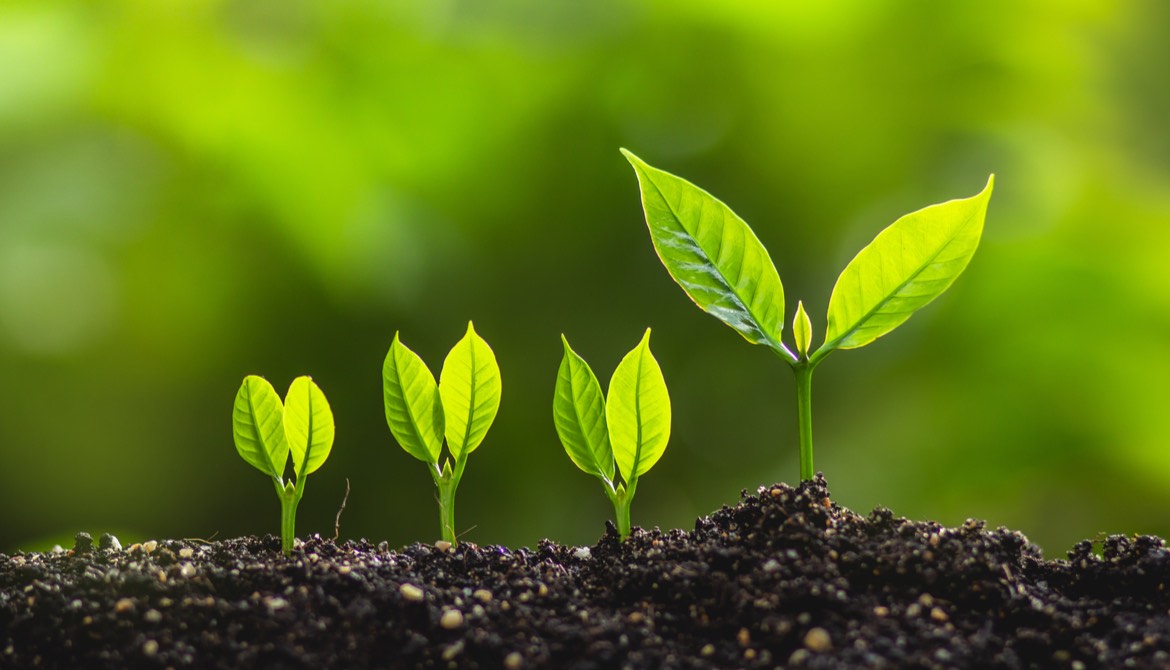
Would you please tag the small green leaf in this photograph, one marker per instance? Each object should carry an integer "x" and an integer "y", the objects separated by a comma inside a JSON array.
[
  {"x": 907, "y": 265},
  {"x": 257, "y": 426},
  {"x": 712, "y": 254},
  {"x": 801, "y": 330},
  {"x": 579, "y": 415},
  {"x": 308, "y": 425},
  {"x": 469, "y": 386},
  {"x": 414, "y": 411},
  {"x": 638, "y": 412}
]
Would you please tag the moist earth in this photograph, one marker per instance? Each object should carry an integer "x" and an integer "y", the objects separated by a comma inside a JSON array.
[{"x": 785, "y": 578}]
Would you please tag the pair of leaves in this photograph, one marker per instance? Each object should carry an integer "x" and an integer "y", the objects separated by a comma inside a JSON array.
[
  {"x": 461, "y": 407},
  {"x": 630, "y": 431},
  {"x": 721, "y": 265},
  {"x": 267, "y": 431}
]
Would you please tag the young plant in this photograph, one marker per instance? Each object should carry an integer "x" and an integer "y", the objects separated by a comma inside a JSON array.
[
  {"x": 461, "y": 407},
  {"x": 717, "y": 260},
  {"x": 268, "y": 433},
  {"x": 619, "y": 440}
]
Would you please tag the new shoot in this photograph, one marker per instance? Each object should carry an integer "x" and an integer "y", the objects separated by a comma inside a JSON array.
[
  {"x": 616, "y": 439},
  {"x": 721, "y": 265},
  {"x": 267, "y": 433},
  {"x": 461, "y": 408}
]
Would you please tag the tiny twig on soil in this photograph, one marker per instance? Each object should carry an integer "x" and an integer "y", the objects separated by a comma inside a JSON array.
[{"x": 337, "y": 521}]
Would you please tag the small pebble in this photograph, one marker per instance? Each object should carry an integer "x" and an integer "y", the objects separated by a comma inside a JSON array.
[
  {"x": 187, "y": 570},
  {"x": 82, "y": 542},
  {"x": 149, "y": 546},
  {"x": 108, "y": 541},
  {"x": 636, "y": 617},
  {"x": 411, "y": 592},
  {"x": 453, "y": 650},
  {"x": 938, "y": 615},
  {"x": 514, "y": 661},
  {"x": 817, "y": 639},
  {"x": 186, "y": 552},
  {"x": 150, "y": 647},
  {"x": 881, "y": 610},
  {"x": 152, "y": 616},
  {"x": 451, "y": 619},
  {"x": 542, "y": 590},
  {"x": 123, "y": 605},
  {"x": 443, "y": 545},
  {"x": 344, "y": 569},
  {"x": 583, "y": 553},
  {"x": 707, "y": 650},
  {"x": 482, "y": 595},
  {"x": 744, "y": 637},
  {"x": 772, "y": 565}
]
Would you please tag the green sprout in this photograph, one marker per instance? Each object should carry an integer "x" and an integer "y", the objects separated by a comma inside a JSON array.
[
  {"x": 721, "y": 265},
  {"x": 267, "y": 433},
  {"x": 619, "y": 440},
  {"x": 461, "y": 407}
]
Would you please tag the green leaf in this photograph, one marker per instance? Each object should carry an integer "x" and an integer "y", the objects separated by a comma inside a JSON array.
[
  {"x": 579, "y": 415},
  {"x": 906, "y": 266},
  {"x": 308, "y": 425},
  {"x": 469, "y": 387},
  {"x": 801, "y": 329},
  {"x": 712, "y": 254},
  {"x": 414, "y": 411},
  {"x": 638, "y": 412},
  {"x": 257, "y": 426}
]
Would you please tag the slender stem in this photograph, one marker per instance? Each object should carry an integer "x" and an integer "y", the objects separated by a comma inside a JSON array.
[
  {"x": 803, "y": 373},
  {"x": 447, "y": 510},
  {"x": 621, "y": 513},
  {"x": 622, "y": 498},
  {"x": 288, "y": 520}
]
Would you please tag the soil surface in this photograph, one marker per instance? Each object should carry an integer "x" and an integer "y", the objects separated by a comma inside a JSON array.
[{"x": 785, "y": 578}]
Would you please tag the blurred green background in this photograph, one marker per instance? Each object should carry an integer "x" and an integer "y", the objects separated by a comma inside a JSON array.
[{"x": 194, "y": 191}]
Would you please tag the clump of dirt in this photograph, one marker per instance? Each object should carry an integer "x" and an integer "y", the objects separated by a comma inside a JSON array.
[{"x": 784, "y": 578}]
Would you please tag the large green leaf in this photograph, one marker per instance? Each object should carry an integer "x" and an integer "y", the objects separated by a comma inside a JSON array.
[
  {"x": 308, "y": 425},
  {"x": 905, "y": 267},
  {"x": 469, "y": 387},
  {"x": 638, "y": 412},
  {"x": 712, "y": 254},
  {"x": 579, "y": 415},
  {"x": 257, "y": 426},
  {"x": 414, "y": 411}
]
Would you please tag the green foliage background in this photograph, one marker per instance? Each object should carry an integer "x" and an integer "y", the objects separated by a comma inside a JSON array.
[{"x": 194, "y": 191}]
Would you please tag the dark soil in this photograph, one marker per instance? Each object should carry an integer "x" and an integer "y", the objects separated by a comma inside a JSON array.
[{"x": 784, "y": 578}]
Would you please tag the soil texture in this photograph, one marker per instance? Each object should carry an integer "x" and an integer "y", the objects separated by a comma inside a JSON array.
[{"x": 785, "y": 578}]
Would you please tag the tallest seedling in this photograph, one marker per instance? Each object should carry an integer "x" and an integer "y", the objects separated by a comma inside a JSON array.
[{"x": 717, "y": 260}]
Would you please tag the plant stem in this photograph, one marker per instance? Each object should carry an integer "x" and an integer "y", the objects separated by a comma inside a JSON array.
[
  {"x": 288, "y": 520},
  {"x": 622, "y": 498},
  {"x": 447, "y": 481},
  {"x": 803, "y": 372},
  {"x": 447, "y": 511}
]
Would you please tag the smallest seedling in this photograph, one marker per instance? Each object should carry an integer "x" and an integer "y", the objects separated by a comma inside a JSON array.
[
  {"x": 267, "y": 433},
  {"x": 619, "y": 440}
]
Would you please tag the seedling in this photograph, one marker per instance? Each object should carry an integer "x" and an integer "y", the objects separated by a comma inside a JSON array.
[
  {"x": 717, "y": 260},
  {"x": 619, "y": 440},
  {"x": 268, "y": 433},
  {"x": 461, "y": 407}
]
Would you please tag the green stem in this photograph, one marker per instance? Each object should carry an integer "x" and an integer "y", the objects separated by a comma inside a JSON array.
[
  {"x": 803, "y": 373},
  {"x": 288, "y": 520},
  {"x": 447, "y": 481},
  {"x": 622, "y": 499},
  {"x": 447, "y": 511}
]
